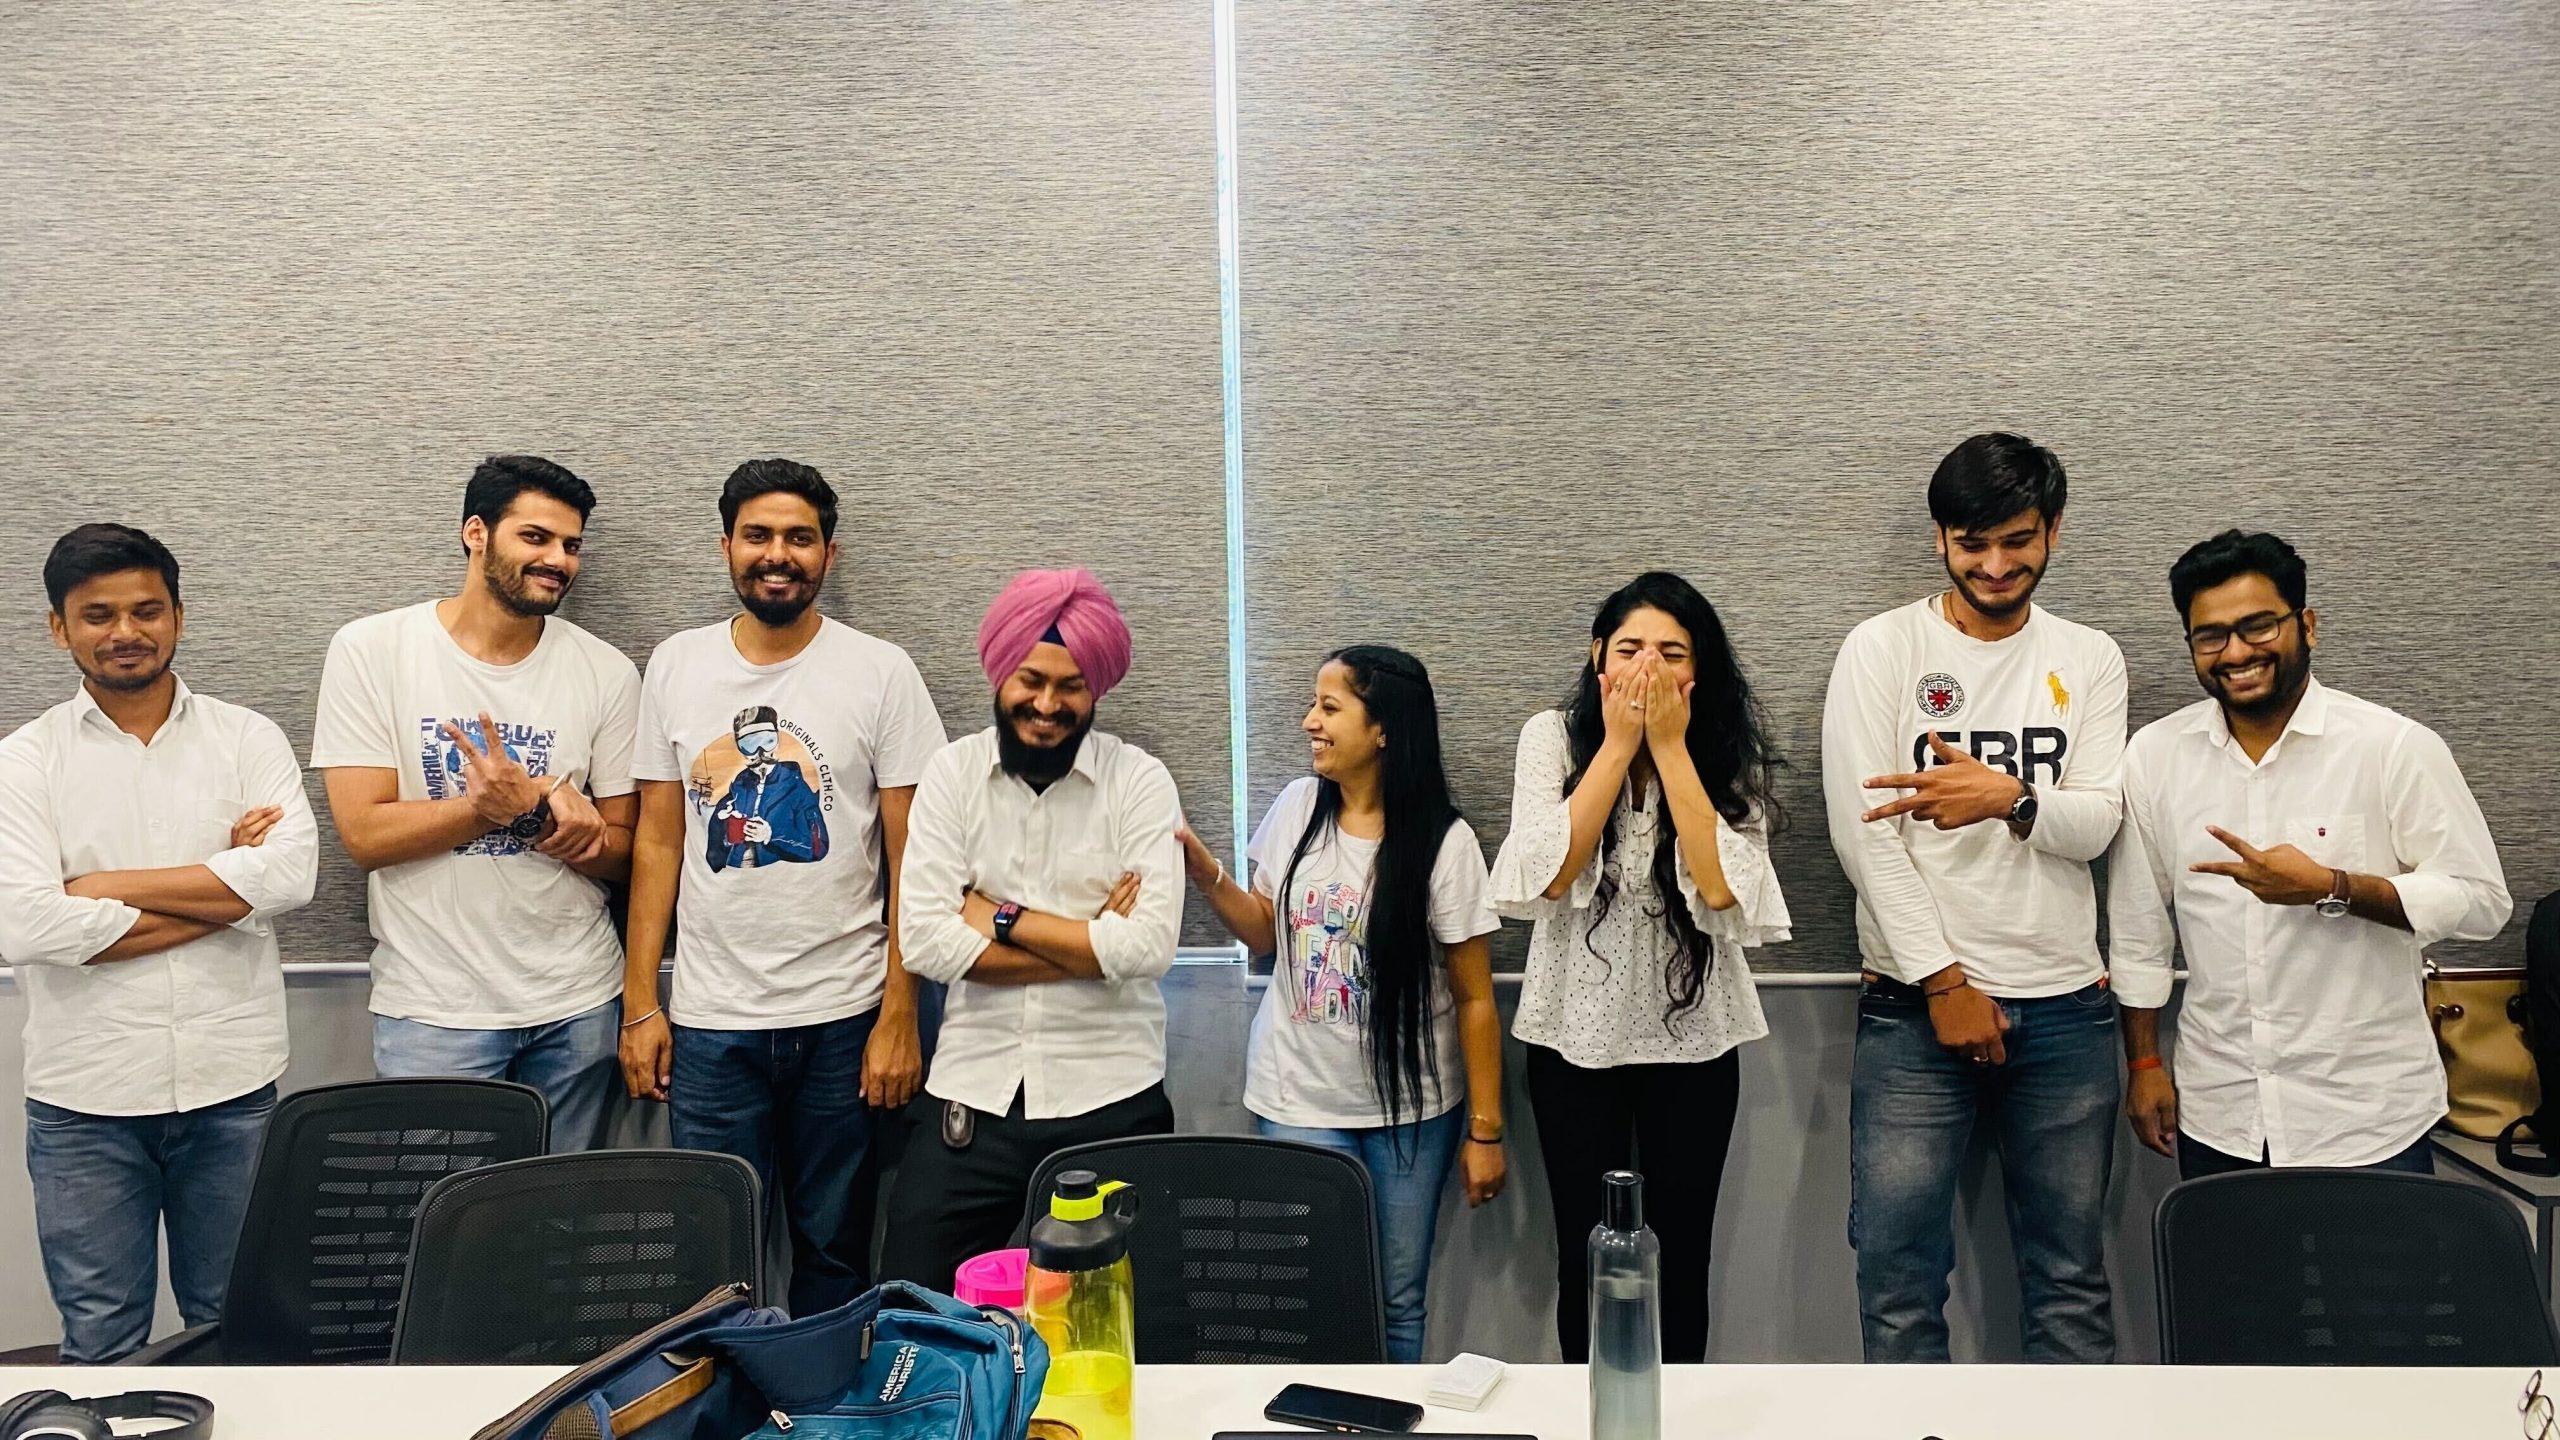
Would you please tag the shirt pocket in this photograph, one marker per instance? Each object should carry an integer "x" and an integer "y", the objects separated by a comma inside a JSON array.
[
  {"x": 1084, "y": 878},
  {"x": 2334, "y": 841}
]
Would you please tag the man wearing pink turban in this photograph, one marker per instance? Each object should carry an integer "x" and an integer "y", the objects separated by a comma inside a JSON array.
[{"x": 1043, "y": 885}]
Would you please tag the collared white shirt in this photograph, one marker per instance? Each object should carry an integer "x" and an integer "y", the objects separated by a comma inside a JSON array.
[
  {"x": 2303, "y": 1036},
  {"x": 196, "y": 1024},
  {"x": 1070, "y": 1046}
]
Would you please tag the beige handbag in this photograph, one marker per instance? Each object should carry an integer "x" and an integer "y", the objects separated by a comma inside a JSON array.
[{"x": 2488, "y": 1071}]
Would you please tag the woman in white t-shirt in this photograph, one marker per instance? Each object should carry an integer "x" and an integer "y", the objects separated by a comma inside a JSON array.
[
  {"x": 1639, "y": 851},
  {"x": 1379, "y": 1020}
]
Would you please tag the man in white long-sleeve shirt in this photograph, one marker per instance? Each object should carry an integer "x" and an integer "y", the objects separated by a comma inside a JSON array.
[
  {"x": 2306, "y": 847},
  {"x": 1043, "y": 885},
  {"x": 149, "y": 836},
  {"x": 1972, "y": 749}
]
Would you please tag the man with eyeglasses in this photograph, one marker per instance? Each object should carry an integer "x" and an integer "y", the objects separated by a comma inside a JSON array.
[{"x": 2305, "y": 846}]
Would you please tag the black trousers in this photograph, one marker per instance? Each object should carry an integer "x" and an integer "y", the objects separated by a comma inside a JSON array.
[
  {"x": 950, "y": 1205},
  {"x": 1673, "y": 1123}
]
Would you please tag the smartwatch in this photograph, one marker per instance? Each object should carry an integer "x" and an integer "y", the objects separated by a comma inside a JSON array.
[
  {"x": 2022, "y": 811},
  {"x": 2333, "y": 906},
  {"x": 1006, "y": 915}
]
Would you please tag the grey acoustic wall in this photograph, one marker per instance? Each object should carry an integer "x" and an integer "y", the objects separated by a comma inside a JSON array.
[
  {"x": 276, "y": 276},
  {"x": 1537, "y": 296}
]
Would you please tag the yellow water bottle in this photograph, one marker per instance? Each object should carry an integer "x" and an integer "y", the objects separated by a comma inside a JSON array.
[{"x": 1084, "y": 1304}]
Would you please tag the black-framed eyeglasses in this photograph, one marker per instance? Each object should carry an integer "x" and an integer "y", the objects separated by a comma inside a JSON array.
[
  {"x": 2540, "y": 1421},
  {"x": 2257, "y": 630}
]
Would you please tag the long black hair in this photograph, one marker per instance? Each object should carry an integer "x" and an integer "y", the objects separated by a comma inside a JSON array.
[
  {"x": 1728, "y": 739},
  {"x": 1395, "y": 925}
]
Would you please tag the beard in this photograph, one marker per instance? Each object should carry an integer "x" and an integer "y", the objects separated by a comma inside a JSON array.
[
  {"x": 777, "y": 612},
  {"x": 1036, "y": 766},
  {"x": 514, "y": 591},
  {"x": 130, "y": 682},
  {"x": 1991, "y": 607},
  {"x": 2293, "y": 671}
]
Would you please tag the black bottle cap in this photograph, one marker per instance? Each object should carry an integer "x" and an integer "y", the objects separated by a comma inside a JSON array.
[{"x": 1622, "y": 1200}]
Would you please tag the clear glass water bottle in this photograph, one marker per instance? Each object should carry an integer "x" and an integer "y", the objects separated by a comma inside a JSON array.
[{"x": 1626, "y": 1315}]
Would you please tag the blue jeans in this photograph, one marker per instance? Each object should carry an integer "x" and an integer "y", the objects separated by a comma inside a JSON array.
[
  {"x": 573, "y": 1062},
  {"x": 789, "y": 1102},
  {"x": 1407, "y": 1171},
  {"x": 2197, "y": 1159},
  {"x": 2051, "y": 1110},
  {"x": 104, "y": 1185}
]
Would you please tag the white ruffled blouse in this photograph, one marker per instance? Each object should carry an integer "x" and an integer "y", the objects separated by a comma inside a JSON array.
[{"x": 1597, "y": 996}]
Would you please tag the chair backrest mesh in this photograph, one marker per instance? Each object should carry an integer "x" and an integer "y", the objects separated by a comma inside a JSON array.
[
  {"x": 326, "y": 1236},
  {"x": 2341, "y": 1267},
  {"x": 1247, "y": 1251},
  {"x": 556, "y": 1260}
]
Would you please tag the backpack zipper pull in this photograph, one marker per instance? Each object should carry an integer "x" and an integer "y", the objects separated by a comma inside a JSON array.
[
  {"x": 781, "y": 1422},
  {"x": 1006, "y": 1321},
  {"x": 866, "y": 1340}
]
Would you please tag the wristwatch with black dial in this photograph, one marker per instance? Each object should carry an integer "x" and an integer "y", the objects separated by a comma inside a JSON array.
[
  {"x": 529, "y": 824},
  {"x": 2022, "y": 811}
]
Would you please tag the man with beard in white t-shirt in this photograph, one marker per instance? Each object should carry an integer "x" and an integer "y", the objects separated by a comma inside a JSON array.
[
  {"x": 778, "y": 750},
  {"x": 477, "y": 751},
  {"x": 2000, "y": 728}
]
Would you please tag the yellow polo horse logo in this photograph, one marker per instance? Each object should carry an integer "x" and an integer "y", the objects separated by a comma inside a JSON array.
[{"x": 2061, "y": 696}]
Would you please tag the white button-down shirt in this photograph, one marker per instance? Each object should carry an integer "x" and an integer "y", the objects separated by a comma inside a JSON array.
[
  {"x": 1069, "y": 1046},
  {"x": 2301, "y": 1035},
  {"x": 193, "y": 1025}
]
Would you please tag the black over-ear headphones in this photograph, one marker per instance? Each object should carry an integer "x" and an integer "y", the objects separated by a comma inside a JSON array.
[{"x": 52, "y": 1415}]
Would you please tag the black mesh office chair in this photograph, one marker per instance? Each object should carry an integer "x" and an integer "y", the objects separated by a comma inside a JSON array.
[
  {"x": 1246, "y": 1251},
  {"x": 326, "y": 1236},
  {"x": 555, "y": 1260},
  {"x": 2346, "y": 1267}
]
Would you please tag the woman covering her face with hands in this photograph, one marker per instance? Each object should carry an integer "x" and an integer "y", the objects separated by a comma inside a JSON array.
[
  {"x": 1378, "y": 1036},
  {"x": 1640, "y": 817}
]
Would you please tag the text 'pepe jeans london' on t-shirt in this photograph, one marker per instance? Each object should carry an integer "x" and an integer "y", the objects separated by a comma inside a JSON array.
[
  {"x": 1307, "y": 1062},
  {"x": 494, "y": 934},
  {"x": 780, "y": 917}
]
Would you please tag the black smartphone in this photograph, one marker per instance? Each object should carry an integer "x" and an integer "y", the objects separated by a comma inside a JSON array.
[{"x": 1342, "y": 1411}]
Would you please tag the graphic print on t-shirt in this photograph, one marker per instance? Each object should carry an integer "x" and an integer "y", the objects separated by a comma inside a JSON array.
[
  {"x": 1329, "y": 983},
  {"x": 767, "y": 790},
  {"x": 2033, "y": 753},
  {"x": 444, "y": 764}
]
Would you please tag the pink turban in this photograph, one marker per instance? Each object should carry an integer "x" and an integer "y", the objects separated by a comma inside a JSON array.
[{"x": 1070, "y": 602}]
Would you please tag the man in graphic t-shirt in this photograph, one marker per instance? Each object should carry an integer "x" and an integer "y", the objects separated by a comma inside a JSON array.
[
  {"x": 778, "y": 750},
  {"x": 477, "y": 751},
  {"x": 1972, "y": 767}
]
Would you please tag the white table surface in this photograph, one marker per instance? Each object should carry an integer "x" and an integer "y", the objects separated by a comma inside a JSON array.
[{"x": 1705, "y": 1402}]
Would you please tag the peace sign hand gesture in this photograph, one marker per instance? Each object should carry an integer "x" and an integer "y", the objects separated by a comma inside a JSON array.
[
  {"x": 1957, "y": 791},
  {"x": 498, "y": 787},
  {"x": 2280, "y": 876}
]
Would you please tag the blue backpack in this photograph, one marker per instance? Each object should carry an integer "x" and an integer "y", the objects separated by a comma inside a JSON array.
[{"x": 900, "y": 1363}]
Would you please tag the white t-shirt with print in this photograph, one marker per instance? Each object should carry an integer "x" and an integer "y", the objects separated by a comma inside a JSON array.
[
  {"x": 493, "y": 934},
  {"x": 779, "y": 911},
  {"x": 2047, "y": 705},
  {"x": 1307, "y": 1062}
]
